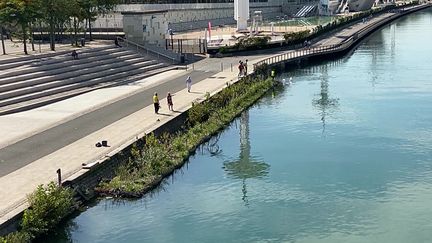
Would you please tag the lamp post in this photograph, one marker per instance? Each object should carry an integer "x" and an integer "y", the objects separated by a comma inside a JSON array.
[{"x": 2, "y": 40}]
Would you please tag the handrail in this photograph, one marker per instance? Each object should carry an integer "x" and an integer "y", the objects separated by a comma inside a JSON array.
[
  {"x": 158, "y": 54},
  {"x": 307, "y": 51}
]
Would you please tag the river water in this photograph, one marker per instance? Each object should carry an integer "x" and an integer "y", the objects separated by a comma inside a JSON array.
[{"x": 343, "y": 154}]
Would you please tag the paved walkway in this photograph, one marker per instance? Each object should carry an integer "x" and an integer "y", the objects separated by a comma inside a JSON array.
[{"x": 62, "y": 135}]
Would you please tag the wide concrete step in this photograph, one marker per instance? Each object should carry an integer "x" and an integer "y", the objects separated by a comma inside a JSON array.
[
  {"x": 49, "y": 99},
  {"x": 58, "y": 63},
  {"x": 38, "y": 56},
  {"x": 53, "y": 61},
  {"x": 32, "y": 57},
  {"x": 79, "y": 72},
  {"x": 62, "y": 72},
  {"x": 11, "y": 62},
  {"x": 115, "y": 75},
  {"x": 79, "y": 76}
]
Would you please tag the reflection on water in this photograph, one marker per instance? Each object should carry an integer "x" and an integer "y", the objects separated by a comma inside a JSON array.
[
  {"x": 245, "y": 166},
  {"x": 323, "y": 102},
  {"x": 272, "y": 176}
]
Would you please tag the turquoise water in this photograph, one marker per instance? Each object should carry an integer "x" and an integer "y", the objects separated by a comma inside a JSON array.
[{"x": 343, "y": 154}]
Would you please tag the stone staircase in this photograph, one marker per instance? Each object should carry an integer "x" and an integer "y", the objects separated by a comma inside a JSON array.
[
  {"x": 34, "y": 81},
  {"x": 305, "y": 11}
]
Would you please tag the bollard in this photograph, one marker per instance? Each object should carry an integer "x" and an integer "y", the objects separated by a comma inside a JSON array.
[
  {"x": 221, "y": 66},
  {"x": 59, "y": 177},
  {"x": 231, "y": 67}
]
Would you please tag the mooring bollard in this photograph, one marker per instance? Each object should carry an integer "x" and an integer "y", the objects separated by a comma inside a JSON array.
[{"x": 59, "y": 177}]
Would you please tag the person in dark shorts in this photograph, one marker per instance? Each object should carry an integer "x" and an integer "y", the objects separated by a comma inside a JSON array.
[
  {"x": 170, "y": 102},
  {"x": 156, "y": 103}
]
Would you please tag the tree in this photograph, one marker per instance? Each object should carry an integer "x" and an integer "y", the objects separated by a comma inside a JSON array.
[
  {"x": 54, "y": 14},
  {"x": 78, "y": 15},
  {"x": 93, "y": 8},
  {"x": 20, "y": 12}
]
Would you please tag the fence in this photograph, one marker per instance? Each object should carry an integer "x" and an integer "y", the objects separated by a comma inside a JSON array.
[
  {"x": 186, "y": 45},
  {"x": 147, "y": 50}
]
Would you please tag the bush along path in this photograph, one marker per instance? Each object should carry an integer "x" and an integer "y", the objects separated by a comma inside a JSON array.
[
  {"x": 48, "y": 206},
  {"x": 160, "y": 157}
]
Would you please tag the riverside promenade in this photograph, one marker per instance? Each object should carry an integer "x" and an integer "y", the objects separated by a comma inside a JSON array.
[{"x": 62, "y": 135}]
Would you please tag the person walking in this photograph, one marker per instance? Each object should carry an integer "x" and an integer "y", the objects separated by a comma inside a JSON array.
[
  {"x": 240, "y": 68},
  {"x": 116, "y": 42},
  {"x": 189, "y": 83},
  {"x": 245, "y": 67},
  {"x": 74, "y": 54},
  {"x": 156, "y": 103},
  {"x": 170, "y": 102}
]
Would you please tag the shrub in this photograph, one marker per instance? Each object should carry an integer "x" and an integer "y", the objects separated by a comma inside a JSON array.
[
  {"x": 48, "y": 206},
  {"x": 16, "y": 237},
  {"x": 253, "y": 42},
  {"x": 296, "y": 37}
]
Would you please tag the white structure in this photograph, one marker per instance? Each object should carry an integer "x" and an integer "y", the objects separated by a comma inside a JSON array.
[
  {"x": 330, "y": 7},
  {"x": 241, "y": 13},
  {"x": 146, "y": 27}
]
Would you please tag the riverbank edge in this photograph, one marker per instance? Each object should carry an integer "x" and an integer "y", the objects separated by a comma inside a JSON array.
[
  {"x": 254, "y": 88},
  {"x": 81, "y": 181},
  {"x": 281, "y": 61},
  {"x": 315, "y": 35}
]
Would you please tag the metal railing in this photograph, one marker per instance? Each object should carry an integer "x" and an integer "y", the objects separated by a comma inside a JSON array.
[
  {"x": 147, "y": 50},
  {"x": 321, "y": 50},
  {"x": 302, "y": 53}
]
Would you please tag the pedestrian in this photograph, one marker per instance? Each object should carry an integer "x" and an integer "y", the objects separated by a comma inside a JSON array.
[
  {"x": 245, "y": 67},
  {"x": 116, "y": 43},
  {"x": 74, "y": 55},
  {"x": 170, "y": 102},
  {"x": 240, "y": 67},
  {"x": 156, "y": 103},
  {"x": 189, "y": 83}
]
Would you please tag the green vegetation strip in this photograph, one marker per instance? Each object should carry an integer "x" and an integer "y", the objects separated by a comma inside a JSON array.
[
  {"x": 48, "y": 206},
  {"x": 159, "y": 157}
]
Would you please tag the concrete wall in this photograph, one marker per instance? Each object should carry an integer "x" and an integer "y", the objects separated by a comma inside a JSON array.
[
  {"x": 146, "y": 28},
  {"x": 182, "y": 16}
]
